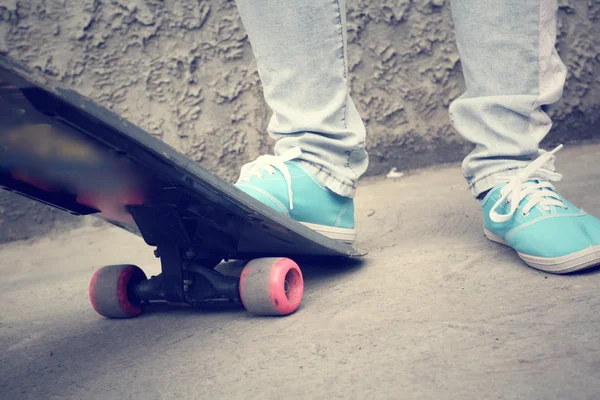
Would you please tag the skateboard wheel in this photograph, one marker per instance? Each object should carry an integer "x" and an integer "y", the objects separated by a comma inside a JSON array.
[
  {"x": 271, "y": 286},
  {"x": 111, "y": 291}
]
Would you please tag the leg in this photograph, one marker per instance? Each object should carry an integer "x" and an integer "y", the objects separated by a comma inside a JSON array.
[
  {"x": 300, "y": 49},
  {"x": 512, "y": 74}
]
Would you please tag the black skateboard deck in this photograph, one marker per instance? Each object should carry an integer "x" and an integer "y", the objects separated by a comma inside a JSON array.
[{"x": 62, "y": 149}]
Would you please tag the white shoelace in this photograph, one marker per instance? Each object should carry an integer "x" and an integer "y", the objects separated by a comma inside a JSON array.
[
  {"x": 269, "y": 163},
  {"x": 520, "y": 186}
]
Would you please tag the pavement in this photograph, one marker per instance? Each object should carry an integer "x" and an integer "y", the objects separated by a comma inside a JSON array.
[{"x": 434, "y": 311}]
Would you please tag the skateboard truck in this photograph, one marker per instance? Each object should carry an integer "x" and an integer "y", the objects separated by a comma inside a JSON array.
[
  {"x": 187, "y": 281},
  {"x": 199, "y": 286},
  {"x": 266, "y": 286}
]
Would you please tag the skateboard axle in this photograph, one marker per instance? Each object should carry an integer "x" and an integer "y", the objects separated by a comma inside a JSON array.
[{"x": 202, "y": 286}]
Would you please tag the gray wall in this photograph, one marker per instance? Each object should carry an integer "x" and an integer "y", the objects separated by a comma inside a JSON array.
[{"x": 184, "y": 71}]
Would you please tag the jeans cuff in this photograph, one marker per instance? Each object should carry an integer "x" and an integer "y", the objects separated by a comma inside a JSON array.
[
  {"x": 338, "y": 185},
  {"x": 492, "y": 179}
]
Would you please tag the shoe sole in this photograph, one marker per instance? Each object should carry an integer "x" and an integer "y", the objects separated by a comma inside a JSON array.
[
  {"x": 580, "y": 260},
  {"x": 344, "y": 235}
]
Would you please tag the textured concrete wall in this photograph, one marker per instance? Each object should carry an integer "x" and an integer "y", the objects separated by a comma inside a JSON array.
[{"x": 184, "y": 71}]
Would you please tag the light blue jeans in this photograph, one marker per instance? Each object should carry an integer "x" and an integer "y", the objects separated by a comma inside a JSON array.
[{"x": 511, "y": 70}]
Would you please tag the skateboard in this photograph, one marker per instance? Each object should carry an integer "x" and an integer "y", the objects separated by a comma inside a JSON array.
[{"x": 60, "y": 148}]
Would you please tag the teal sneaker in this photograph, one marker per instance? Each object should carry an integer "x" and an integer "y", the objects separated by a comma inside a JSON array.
[
  {"x": 548, "y": 232},
  {"x": 288, "y": 187}
]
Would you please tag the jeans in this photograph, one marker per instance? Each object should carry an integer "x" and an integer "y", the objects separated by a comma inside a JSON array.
[{"x": 511, "y": 70}]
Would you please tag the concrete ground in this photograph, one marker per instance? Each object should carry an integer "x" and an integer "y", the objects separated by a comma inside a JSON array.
[{"x": 435, "y": 311}]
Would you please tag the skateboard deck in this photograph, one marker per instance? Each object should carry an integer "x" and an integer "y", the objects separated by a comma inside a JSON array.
[{"x": 62, "y": 149}]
